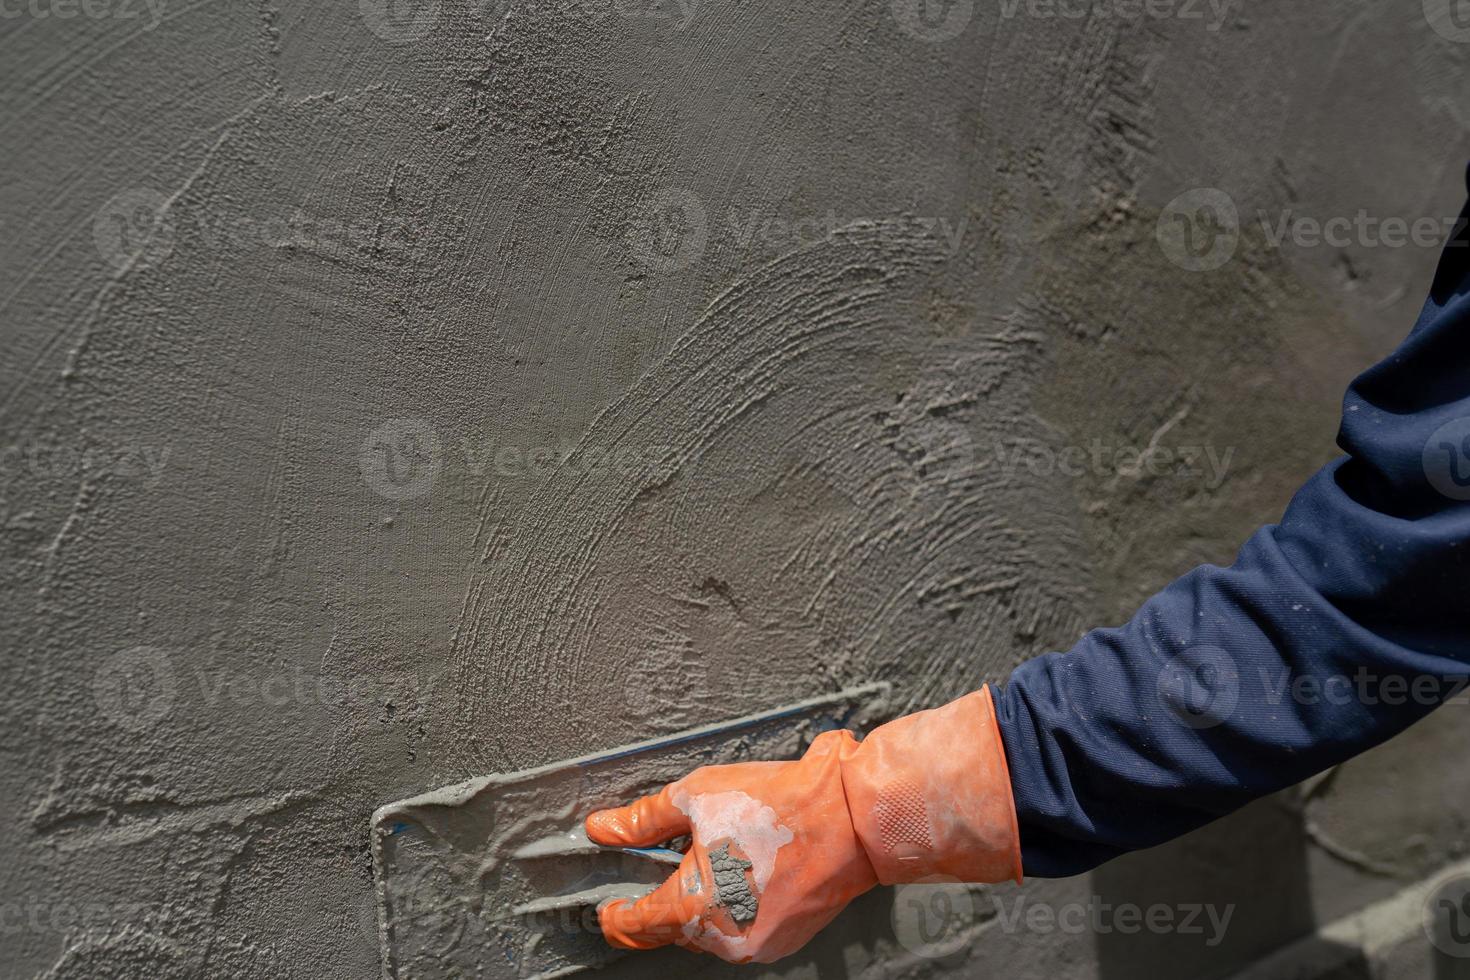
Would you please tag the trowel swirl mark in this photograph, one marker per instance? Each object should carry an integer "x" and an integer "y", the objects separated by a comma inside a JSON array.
[
  {"x": 855, "y": 492},
  {"x": 733, "y": 358}
]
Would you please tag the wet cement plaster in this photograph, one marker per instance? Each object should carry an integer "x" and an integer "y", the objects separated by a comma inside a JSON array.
[
  {"x": 731, "y": 884},
  {"x": 387, "y": 402}
]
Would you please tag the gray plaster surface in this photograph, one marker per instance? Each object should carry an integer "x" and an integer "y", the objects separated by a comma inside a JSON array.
[{"x": 392, "y": 400}]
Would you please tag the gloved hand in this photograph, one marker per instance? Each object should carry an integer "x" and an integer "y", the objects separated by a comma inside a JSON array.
[{"x": 779, "y": 848}]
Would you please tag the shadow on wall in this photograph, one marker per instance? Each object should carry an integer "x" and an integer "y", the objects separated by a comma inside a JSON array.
[
  {"x": 1250, "y": 866},
  {"x": 1447, "y": 967},
  {"x": 1231, "y": 900}
]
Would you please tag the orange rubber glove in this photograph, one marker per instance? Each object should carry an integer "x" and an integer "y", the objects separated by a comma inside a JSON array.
[{"x": 779, "y": 848}]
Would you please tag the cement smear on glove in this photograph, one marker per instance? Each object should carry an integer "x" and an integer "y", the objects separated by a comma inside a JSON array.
[{"x": 731, "y": 885}]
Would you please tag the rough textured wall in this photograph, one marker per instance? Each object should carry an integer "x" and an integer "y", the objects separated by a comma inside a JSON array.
[{"x": 394, "y": 395}]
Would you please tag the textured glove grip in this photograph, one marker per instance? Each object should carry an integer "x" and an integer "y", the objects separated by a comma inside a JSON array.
[{"x": 930, "y": 796}]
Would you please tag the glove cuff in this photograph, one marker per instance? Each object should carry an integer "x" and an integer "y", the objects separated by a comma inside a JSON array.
[{"x": 930, "y": 796}]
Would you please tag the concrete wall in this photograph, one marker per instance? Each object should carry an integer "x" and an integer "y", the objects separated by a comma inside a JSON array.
[{"x": 392, "y": 396}]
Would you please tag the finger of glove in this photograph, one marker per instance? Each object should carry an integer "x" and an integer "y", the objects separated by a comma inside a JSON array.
[
  {"x": 658, "y": 918},
  {"x": 645, "y": 822}
]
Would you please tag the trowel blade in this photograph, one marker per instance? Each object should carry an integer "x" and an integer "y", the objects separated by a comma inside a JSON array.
[
  {"x": 493, "y": 878},
  {"x": 574, "y": 842}
]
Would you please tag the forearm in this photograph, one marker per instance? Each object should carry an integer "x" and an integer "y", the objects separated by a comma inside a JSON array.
[{"x": 1333, "y": 631}]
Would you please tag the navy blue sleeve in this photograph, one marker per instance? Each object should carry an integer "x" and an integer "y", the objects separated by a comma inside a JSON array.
[{"x": 1333, "y": 631}]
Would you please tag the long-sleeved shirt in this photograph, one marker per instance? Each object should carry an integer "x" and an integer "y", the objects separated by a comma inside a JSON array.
[{"x": 1334, "y": 630}]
